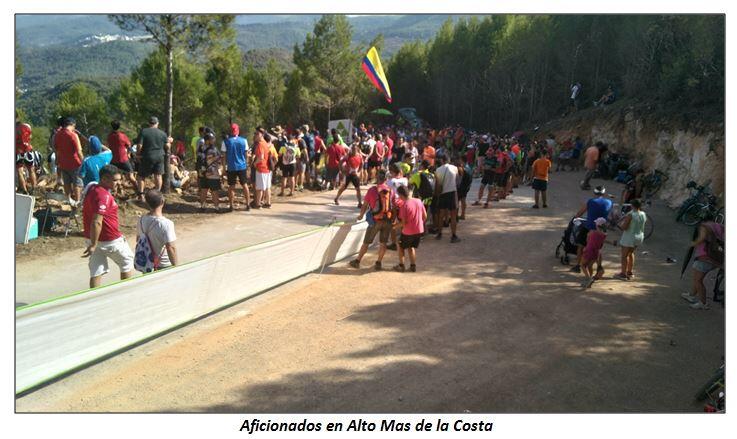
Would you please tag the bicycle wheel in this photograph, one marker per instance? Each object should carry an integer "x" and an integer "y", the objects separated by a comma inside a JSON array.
[
  {"x": 693, "y": 214},
  {"x": 684, "y": 207},
  {"x": 649, "y": 227},
  {"x": 654, "y": 186},
  {"x": 719, "y": 218},
  {"x": 714, "y": 382}
]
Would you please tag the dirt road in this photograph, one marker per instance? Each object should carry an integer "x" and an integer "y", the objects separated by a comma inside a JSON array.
[{"x": 491, "y": 324}]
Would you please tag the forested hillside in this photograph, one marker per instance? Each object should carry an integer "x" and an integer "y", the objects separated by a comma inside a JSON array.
[
  {"x": 57, "y": 50},
  {"x": 498, "y": 73},
  {"x": 505, "y": 71}
]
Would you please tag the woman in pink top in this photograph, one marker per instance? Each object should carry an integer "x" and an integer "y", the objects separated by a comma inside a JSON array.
[
  {"x": 709, "y": 233},
  {"x": 592, "y": 252},
  {"x": 412, "y": 217}
]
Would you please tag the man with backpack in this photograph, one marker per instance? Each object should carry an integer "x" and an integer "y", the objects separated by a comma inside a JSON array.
[
  {"x": 422, "y": 184},
  {"x": 708, "y": 255},
  {"x": 379, "y": 206},
  {"x": 289, "y": 154},
  {"x": 101, "y": 228},
  {"x": 155, "y": 247}
]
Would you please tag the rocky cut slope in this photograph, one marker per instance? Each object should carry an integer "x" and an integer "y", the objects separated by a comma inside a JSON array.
[{"x": 685, "y": 144}]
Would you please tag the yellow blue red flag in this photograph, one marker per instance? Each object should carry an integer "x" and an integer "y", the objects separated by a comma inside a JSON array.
[{"x": 372, "y": 67}]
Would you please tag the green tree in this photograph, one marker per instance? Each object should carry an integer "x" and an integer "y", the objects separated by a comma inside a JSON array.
[
  {"x": 326, "y": 62},
  {"x": 172, "y": 32},
  {"x": 274, "y": 87},
  {"x": 139, "y": 96},
  {"x": 86, "y": 106},
  {"x": 225, "y": 76}
]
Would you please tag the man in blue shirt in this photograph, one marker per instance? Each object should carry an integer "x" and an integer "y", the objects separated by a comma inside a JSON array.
[
  {"x": 597, "y": 207},
  {"x": 100, "y": 155},
  {"x": 236, "y": 154}
]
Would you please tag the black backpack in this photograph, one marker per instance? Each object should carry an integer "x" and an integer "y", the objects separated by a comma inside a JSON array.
[{"x": 427, "y": 185}]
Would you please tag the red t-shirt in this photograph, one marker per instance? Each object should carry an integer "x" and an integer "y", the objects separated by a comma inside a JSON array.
[
  {"x": 411, "y": 213},
  {"x": 335, "y": 153},
  {"x": 65, "y": 143},
  {"x": 262, "y": 152},
  {"x": 118, "y": 143},
  {"x": 389, "y": 144},
  {"x": 22, "y": 138},
  {"x": 502, "y": 159},
  {"x": 100, "y": 201},
  {"x": 378, "y": 151},
  {"x": 515, "y": 149},
  {"x": 354, "y": 163},
  {"x": 319, "y": 144}
]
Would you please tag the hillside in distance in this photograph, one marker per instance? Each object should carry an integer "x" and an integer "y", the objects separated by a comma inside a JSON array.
[{"x": 57, "y": 50}]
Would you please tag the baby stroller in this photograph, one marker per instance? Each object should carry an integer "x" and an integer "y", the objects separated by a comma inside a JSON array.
[{"x": 567, "y": 245}]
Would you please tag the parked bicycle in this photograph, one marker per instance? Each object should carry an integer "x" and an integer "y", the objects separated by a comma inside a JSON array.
[
  {"x": 701, "y": 210},
  {"x": 713, "y": 392},
  {"x": 643, "y": 186},
  {"x": 699, "y": 195}
]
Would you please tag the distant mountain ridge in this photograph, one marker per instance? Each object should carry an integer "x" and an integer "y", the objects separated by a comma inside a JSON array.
[{"x": 59, "y": 49}]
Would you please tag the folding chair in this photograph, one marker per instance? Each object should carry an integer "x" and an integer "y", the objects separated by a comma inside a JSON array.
[{"x": 66, "y": 216}]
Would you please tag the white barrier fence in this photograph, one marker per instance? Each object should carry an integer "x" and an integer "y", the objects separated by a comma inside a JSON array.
[{"x": 61, "y": 335}]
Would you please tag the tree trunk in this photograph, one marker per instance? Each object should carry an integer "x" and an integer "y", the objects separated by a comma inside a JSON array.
[{"x": 169, "y": 110}]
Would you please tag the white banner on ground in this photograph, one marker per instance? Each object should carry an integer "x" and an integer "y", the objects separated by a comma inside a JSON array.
[
  {"x": 23, "y": 214},
  {"x": 61, "y": 335},
  {"x": 344, "y": 128}
]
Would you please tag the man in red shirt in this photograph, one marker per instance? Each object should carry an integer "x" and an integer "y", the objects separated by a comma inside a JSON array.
[
  {"x": 335, "y": 153},
  {"x": 101, "y": 229},
  {"x": 119, "y": 143},
  {"x": 24, "y": 155},
  {"x": 352, "y": 165},
  {"x": 389, "y": 147},
  {"x": 69, "y": 158}
]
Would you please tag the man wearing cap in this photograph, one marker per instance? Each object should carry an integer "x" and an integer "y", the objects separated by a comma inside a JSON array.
[
  {"x": 69, "y": 158},
  {"x": 152, "y": 146},
  {"x": 597, "y": 207},
  {"x": 235, "y": 148}
]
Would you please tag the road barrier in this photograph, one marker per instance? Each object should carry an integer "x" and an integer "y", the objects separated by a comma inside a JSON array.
[{"x": 58, "y": 336}]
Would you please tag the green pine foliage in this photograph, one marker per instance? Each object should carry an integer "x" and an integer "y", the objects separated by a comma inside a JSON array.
[{"x": 486, "y": 72}]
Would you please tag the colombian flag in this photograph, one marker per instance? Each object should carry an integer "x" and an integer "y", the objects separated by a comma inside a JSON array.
[{"x": 372, "y": 67}]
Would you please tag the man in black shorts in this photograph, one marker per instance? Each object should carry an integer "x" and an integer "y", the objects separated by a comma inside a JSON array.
[
  {"x": 446, "y": 189},
  {"x": 153, "y": 144},
  {"x": 235, "y": 149},
  {"x": 488, "y": 177}
]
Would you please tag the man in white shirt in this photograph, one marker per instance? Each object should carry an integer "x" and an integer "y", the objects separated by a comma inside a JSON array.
[
  {"x": 160, "y": 230},
  {"x": 447, "y": 197},
  {"x": 575, "y": 91}
]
